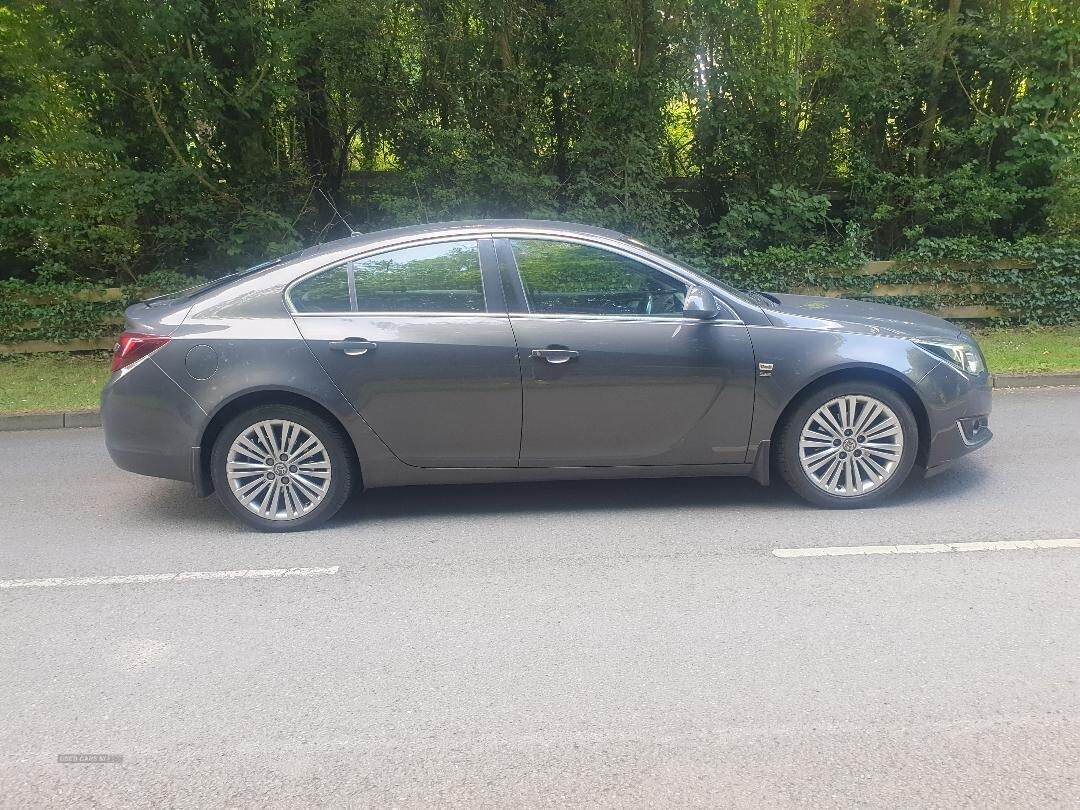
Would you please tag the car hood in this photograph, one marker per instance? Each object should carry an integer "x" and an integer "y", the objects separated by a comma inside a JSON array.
[{"x": 845, "y": 315}]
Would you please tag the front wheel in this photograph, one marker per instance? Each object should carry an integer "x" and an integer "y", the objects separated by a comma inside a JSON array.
[
  {"x": 280, "y": 468},
  {"x": 848, "y": 445}
]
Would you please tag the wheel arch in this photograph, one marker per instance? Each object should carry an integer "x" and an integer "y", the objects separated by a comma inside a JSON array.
[
  {"x": 245, "y": 401},
  {"x": 877, "y": 374}
]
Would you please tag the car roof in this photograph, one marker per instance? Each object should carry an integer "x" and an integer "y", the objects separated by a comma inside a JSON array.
[{"x": 359, "y": 240}]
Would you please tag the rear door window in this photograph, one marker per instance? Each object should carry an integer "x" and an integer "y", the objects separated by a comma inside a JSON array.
[{"x": 440, "y": 277}]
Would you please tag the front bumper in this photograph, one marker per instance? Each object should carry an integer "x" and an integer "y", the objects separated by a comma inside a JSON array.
[
  {"x": 955, "y": 444},
  {"x": 150, "y": 423},
  {"x": 958, "y": 411}
]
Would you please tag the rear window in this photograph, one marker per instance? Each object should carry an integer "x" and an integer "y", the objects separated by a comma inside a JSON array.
[{"x": 191, "y": 293}]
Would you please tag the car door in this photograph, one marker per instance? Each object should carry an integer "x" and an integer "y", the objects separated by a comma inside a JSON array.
[
  {"x": 612, "y": 372},
  {"x": 418, "y": 339}
]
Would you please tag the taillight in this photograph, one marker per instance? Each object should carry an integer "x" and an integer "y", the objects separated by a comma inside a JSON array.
[{"x": 132, "y": 346}]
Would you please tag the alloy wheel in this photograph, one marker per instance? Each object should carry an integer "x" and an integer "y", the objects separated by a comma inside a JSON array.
[
  {"x": 279, "y": 470},
  {"x": 851, "y": 445}
]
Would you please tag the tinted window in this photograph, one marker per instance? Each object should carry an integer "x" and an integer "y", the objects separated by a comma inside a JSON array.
[
  {"x": 567, "y": 278},
  {"x": 443, "y": 277},
  {"x": 325, "y": 292}
]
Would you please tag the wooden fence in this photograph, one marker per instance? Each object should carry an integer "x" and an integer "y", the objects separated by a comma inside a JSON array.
[
  {"x": 965, "y": 312},
  {"x": 39, "y": 346},
  {"x": 882, "y": 291}
]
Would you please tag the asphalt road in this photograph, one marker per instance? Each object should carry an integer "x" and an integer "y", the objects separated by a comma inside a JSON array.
[{"x": 603, "y": 643}]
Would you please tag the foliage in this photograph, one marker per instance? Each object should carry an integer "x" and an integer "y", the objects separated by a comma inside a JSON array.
[
  {"x": 1047, "y": 291},
  {"x": 773, "y": 136},
  {"x": 785, "y": 215},
  {"x": 1036, "y": 280},
  {"x": 48, "y": 309}
]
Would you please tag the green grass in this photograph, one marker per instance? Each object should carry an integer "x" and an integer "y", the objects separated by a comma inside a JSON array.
[
  {"x": 1035, "y": 350},
  {"x": 72, "y": 382},
  {"x": 52, "y": 381}
]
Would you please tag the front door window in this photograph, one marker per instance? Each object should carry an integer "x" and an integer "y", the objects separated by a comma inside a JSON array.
[{"x": 566, "y": 278}]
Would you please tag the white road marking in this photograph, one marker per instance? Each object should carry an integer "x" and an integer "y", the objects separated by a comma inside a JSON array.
[
  {"x": 926, "y": 548},
  {"x": 181, "y": 576}
]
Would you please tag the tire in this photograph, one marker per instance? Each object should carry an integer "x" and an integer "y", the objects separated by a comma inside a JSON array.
[
  {"x": 305, "y": 495},
  {"x": 872, "y": 464}
]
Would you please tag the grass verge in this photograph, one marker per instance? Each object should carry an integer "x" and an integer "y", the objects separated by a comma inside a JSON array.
[
  {"x": 52, "y": 382},
  {"x": 1036, "y": 350},
  {"x": 72, "y": 382}
]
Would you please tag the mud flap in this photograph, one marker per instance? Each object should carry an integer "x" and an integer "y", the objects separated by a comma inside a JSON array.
[{"x": 760, "y": 471}]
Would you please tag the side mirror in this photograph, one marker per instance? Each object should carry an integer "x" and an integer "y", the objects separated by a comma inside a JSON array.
[{"x": 700, "y": 303}]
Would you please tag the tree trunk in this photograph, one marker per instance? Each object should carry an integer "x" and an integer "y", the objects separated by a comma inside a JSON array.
[
  {"x": 1001, "y": 95},
  {"x": 560, "y": 164},
  {"x": 933, "y": 98},
  {"x": 314, "y": 118}
]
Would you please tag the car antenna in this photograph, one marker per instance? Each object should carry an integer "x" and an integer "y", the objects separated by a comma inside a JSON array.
[{"x": 330, "y": 202}]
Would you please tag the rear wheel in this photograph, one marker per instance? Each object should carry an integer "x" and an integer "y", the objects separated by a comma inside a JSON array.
[
  {"x": 848, "y": 445},
  {"x": 280, "y": 468}
]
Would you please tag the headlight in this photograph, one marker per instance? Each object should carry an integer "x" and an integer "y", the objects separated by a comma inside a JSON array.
[{"x": 965, "y": 356}]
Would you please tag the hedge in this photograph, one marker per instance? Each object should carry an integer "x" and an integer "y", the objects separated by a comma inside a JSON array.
[{"x": 1031, "y": 281}]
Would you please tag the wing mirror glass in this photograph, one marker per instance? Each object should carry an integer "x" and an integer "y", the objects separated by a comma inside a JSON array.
[{"x": 700, "y": 303}]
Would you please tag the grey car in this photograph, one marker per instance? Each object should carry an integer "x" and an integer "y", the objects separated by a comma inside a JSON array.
[{"x": 519, "y": 350}]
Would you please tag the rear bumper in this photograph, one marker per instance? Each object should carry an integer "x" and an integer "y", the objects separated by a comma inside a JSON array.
[
  {"x": 151, "y": 424},
  {"x": 958, "y": 411}
]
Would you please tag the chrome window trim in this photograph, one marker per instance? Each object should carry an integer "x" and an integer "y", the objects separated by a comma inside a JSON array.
[
  {"x": 384, "y": 247},
  {"x": 460, "y": 234},
  {"x": 676, "y": 319},
  {"x": 382, "y": 313}
]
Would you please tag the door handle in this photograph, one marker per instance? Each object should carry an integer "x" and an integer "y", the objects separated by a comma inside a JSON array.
[
  {"x": 354, "y": 347},
  {"x": 555, "y": 356}
]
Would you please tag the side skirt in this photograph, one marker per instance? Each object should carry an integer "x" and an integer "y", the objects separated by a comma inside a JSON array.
[{"x": 493, "y": 475}]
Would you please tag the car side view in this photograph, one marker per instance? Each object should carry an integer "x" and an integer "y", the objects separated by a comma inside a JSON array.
[{"x": 518, "y": 350}]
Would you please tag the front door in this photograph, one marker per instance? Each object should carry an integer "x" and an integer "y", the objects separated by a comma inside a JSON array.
[
  {"x": 613, "y": 373},
  {"x": 423, "y": 349}
]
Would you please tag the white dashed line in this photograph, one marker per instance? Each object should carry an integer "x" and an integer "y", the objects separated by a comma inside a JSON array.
[
  {"x": 182, "y": 576},
  {"x": 926, "y": 548}
]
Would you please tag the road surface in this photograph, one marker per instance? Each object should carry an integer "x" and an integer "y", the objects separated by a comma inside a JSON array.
[{"x": 600, "y": 643}]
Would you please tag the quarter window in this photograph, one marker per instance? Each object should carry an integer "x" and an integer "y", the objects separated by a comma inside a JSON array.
[
  {"x": 327, "y": 291},
  {"x": 574, "y": 279}
]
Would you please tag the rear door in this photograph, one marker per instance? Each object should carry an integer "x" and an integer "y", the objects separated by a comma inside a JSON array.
[
  {"x": 419, "y": 341},
  {"x": 612, "y": 372}
]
